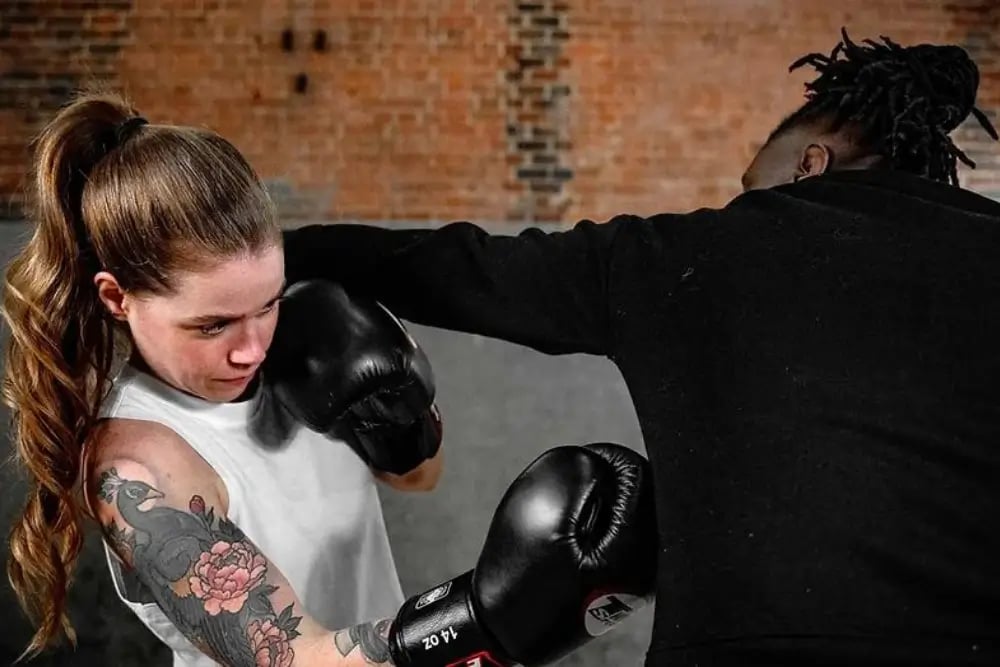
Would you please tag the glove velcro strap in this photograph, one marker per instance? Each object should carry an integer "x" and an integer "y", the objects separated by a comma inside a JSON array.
[
  {"x": 400, "y": 449},
  {"x": 440, "y": 628}
]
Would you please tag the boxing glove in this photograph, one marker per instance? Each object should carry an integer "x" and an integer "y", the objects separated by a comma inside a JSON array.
[
  {"x": 570, "y": 552},
  {"x": 347, "y": 367}
]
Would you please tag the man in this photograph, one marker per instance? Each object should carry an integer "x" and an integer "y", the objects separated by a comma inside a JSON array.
[{"x": 813, "y": 368}]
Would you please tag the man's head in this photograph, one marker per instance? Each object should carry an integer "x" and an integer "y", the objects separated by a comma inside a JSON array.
[{"x": 874, "y": 106}]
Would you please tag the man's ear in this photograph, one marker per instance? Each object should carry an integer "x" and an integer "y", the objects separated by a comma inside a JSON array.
[{"x": 815, "y": 160}]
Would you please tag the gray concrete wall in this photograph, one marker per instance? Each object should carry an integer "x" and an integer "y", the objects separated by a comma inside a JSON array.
[{"x": 502, "y": 404}]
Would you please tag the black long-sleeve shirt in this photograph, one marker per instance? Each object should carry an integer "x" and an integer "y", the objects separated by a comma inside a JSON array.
[{"x": 816, "y": 373}]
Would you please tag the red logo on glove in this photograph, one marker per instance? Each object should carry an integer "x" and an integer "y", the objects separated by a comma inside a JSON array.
[{"x": 482, "y": 659}]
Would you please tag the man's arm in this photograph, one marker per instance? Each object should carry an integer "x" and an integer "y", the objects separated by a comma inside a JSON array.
[
  {"x": 165, "y": 518},
  {"x": 548, "y": 291}
]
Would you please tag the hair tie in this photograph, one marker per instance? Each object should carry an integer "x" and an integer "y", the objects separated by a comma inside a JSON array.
[{"x": 127, "y": 128}]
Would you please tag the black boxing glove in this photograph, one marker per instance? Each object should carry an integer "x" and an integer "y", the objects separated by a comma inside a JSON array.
[
  {"x": 339, "y": 363},
  {"x": 571, "y": 551}
]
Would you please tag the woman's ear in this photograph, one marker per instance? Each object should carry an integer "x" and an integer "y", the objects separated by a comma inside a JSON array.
[{"x": 111, "y": 295}]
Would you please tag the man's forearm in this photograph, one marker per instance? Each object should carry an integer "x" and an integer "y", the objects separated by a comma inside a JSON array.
[{"x": 547, "y": 291}]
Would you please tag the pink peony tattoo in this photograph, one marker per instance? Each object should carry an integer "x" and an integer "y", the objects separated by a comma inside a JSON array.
[
  {"x": 223, "y": 570},
  {"x": 224, "y": 576},
  {"x": 270, "y": 644}
]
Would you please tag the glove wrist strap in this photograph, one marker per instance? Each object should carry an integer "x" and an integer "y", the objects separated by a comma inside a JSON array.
[{"x": 439, "y": 628}]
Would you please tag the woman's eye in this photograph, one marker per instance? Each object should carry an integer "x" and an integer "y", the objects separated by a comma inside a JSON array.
[
  {"x": 213, "y": 329},
  {"x": 270, "y": 308}
]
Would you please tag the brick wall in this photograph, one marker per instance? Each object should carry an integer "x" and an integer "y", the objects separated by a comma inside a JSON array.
[
  {"x": 46, "y": 50},
  {"x": 474, "y": 109},
  {"x": 977, "y": 25},
  {"x": 672, "y": 99}
]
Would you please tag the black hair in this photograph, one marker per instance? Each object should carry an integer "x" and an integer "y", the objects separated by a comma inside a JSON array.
[{"x": 898, "y": 102}]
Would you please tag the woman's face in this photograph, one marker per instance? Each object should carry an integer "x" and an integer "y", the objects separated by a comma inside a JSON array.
[{"x": 208, "y": 338}]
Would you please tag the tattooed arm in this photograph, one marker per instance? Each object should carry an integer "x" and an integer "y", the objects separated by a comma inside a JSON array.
[{"x": 163, "y": 511}]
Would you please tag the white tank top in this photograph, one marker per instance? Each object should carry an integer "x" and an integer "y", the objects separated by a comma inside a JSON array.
[{"x": 306, "y": 500}]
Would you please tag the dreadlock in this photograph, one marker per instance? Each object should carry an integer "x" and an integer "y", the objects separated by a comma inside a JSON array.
[{"x": 901, "y": 103}]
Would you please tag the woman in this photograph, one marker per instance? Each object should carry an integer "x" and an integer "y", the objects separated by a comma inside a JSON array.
[{"x": 229, "y": 532}]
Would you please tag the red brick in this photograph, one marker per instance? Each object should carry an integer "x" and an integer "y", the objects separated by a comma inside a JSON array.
[{"x": 407, "y": 109}]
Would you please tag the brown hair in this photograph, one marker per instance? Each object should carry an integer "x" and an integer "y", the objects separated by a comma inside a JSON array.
[{"x": 142, "y": 204}]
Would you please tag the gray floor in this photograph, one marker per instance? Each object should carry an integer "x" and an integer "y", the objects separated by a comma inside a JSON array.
[{"x": 502, "y": 404}]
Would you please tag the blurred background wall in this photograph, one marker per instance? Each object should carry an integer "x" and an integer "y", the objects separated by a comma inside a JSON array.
[
  {"x": 467, "y": 109},
  {"x": 424, "y": 111}
]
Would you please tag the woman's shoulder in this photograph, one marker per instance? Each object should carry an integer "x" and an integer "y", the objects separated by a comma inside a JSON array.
[
  {"x": 139, "y": 438},
  {"x": 149, "y": 446}
]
